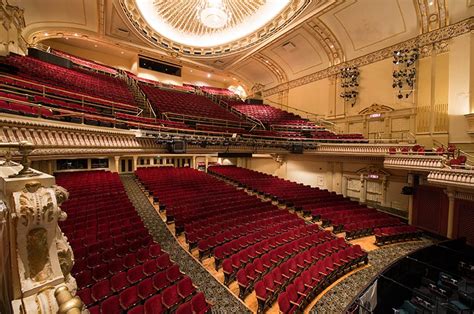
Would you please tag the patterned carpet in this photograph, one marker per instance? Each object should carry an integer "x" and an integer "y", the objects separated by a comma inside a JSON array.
[
  {"x": 223, "y": 301},
  {"x": 341, "y": 295}
]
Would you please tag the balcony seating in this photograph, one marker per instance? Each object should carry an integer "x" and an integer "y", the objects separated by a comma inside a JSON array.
[
  {"x": 72, "y": 80},
  {"x": 117, "y": 266},
  {"x": 218, "y": 91},
  {"x": 85, "y": 63},
  {"x": 186, "y": 104}
]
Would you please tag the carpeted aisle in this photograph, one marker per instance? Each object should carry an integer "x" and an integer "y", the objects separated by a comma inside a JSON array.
[
  {"x": 223, "y": 301},
  {"x": 341, "y": 295}
]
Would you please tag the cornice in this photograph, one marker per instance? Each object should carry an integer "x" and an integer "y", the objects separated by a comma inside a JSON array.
[{"x": 426, "y": 39}]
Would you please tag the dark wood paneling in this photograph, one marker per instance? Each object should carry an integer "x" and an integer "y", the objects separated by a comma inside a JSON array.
[{"x": 430, "y": 209}]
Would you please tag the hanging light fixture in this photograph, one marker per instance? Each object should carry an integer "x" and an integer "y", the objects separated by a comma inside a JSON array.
[{"x": 213, "y": 14}]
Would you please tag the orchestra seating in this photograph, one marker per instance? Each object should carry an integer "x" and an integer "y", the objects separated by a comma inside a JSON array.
[
  {"x": 395, "y": 234},
  {"x": 117, "y": 266},
  {"x": 262, "y": 247},
  {"x": 332, "y": 209},
  {"x": 186, "y": 104}
]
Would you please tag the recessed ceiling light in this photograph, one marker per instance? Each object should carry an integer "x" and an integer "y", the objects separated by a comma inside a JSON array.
[
  {"x": 331, "y": 46},
  {"x": 95, "y": 45},
  {"x": 76, "y": 34},
  {"x": 266, "y": 61},
  {"x": 431, "y": 2},
  {"x": 191, "y": 71},
  {"x": 46, "y": 34},
  {"x": 208, "y": 74},
  {"x": 67, "y": 38},
  {"x": 121, "y": 52}
]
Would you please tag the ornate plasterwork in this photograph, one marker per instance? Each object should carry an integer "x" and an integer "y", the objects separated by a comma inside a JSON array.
[
  {"x": 289, "y": 14},
  {"x": 327, "y": 39},
  {"x": 422, "y": 40},
  {"x": 376, "y": 108},
  {"x": 431, "y": 16}
]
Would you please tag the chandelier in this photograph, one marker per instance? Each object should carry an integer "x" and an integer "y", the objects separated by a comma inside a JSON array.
[{"x": 213, "y": 13}]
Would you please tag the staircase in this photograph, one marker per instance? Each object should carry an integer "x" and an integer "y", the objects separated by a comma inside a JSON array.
[
  {"x": 139, "y": 96},
  {"x": 256, "y": 123}
]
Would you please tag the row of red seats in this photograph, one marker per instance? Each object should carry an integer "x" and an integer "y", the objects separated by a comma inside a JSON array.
[
  {"x": 265, "y": 241},
  {"x": 186, "y": 104},
  {"x": 247, "y": 235},
  {"x": 269, "y": 115},
  {"x": 310, "y": 279},
  {"x": 74, "y": 80},
  {"x": 229, "y": 227},
  {"x": 85, "y": 62},
  {"x": 190, "y": 196},
  {"x": 118, "y": 267},
  {"x": 255, "y": 244},
  {"x": 245, "y": 268},
  {"x": 323, "y": 205},
  {"x": 396, "y": 234}
]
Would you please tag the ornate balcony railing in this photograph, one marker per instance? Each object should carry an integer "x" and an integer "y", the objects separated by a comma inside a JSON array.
[
  {"x": 414, "y": 162},
  {"x": 452, "y": 177}
]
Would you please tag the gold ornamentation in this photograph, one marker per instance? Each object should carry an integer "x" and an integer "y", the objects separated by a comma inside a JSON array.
[
  {"x": 131, "y": 11},
  {"x": 66, "y": 302}
]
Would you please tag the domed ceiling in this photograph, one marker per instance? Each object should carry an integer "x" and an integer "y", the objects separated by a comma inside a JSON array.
[{"x": 210, "y": 27}]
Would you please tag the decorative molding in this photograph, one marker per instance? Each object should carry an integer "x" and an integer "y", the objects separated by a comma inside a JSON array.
[
  {"x": 414, "y": 162},
  {"x": 376, "y": 108},
  {"x": 422, "y": 40},
  {"x": 287, "y": 16},
  {"x": 453, "y": 177},
  {"x": 328, "y": 40},
  {"x": 357, "y": 149}
]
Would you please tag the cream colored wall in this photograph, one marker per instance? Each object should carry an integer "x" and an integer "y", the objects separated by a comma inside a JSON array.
[
  {"x": 327, "y": 174},
  {"x": 460, "y": 58},
  {"x": 313, "y": 97}
]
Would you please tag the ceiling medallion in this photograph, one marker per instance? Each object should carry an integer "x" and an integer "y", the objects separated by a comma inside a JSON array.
[
  {"x": 210, "y": 27},
  {"x": 214, "y": 14}
]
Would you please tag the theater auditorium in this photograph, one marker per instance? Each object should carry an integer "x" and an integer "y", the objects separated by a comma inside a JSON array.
[{"x": 236, "y": 156}]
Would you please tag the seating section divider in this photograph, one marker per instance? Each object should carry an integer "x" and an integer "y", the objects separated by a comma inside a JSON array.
[{"x": 118, "y": 267}]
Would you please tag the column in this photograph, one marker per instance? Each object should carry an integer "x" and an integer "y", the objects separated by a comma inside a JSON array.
[
  {"x": 152, "y": 161},
  {"x": 363, "y": 194},
  {"x": 135, "y": 162},
  {"x": 207, "y": 162},
  {"x": 450, "y": 193},
  {"x": 329, "y": 175},
  {"x": 50, "y": 167},
  {"x": 410, "y": 199},
  {"x": 383, "y": 197},
  {"x": 344, "y": 186},
  {"x": 117, "y": 163}
]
